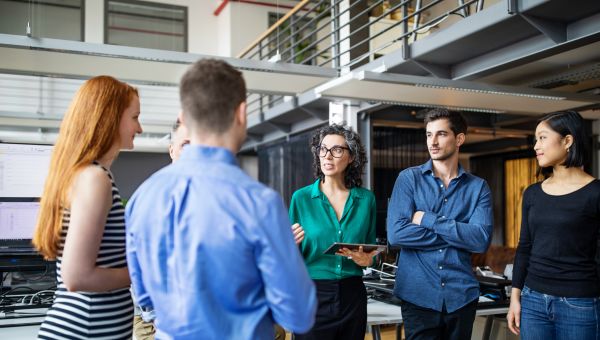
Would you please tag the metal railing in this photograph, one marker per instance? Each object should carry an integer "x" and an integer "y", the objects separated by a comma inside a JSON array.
[{"x": 344, "y": 34}]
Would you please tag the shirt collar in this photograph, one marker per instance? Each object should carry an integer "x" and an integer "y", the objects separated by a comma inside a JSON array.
[
  {"x": 214, "y": 154},
  {"x": 317, "y": 193},
  {"x": 427, "y": 168}
]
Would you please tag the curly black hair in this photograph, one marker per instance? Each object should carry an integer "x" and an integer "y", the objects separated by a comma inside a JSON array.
[{"x": 354, "y": 171}]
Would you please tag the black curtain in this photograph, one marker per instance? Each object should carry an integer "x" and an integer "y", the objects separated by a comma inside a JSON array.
[
  {"x": 491, "y": 169},
  {"x": 286, "y": 166},
  {"x": 394, "y": 149}
]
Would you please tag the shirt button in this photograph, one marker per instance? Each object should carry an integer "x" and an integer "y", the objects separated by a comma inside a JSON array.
[
  {"x": 338, "y": 265},
  {"x": 440, "y": 250},
  {"x": 339, "y": 232},
  {"x": 443, "y": 216},
  {"x": 445, "y": 200},
  {"x": 441, "y": 185},
  {"x": 441, "y": 267},
  {"x": 443, "y": 284}
]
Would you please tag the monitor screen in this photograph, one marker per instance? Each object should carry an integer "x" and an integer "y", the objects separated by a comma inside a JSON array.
[
  {"x": 23, "y": 169},
  {"x": 17, "y": 223}
]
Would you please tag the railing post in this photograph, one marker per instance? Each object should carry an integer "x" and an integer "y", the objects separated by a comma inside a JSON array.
[
  {"x": 292, "y": 38},
  {"x": 260, "y": 103},
  {"x": 405, "y": 47},
  {"x": 465, "y": 10},
  {"x": 335, "y": 36},
  {"x": 260, "y": 56},
  {"x": 345, "y": 41},
  {"x": 416, "y": 19}
]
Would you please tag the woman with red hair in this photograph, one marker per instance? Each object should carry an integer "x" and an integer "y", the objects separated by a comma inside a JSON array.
[{"x": 81, "y": 221}]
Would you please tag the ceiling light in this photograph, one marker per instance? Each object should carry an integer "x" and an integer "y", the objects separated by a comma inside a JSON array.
[
  {"x": 451, "y": 108},
  {"x": 502, "y": 93}
]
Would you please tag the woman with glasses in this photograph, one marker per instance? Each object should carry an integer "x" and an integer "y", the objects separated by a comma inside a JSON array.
[
  {"x": 336, "y": 209},
  {"x": 556, "y": 279}
]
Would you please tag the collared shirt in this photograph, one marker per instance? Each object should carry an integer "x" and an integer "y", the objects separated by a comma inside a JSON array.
[
  {"x": 211, "y": 250},
  {"x": 312, "y": 210},
  {"x": 434, "y": 267}
]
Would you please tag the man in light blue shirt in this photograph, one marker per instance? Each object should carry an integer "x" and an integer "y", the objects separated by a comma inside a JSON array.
[
  {"x": 439, "y": 214},
  {"x": 209, "y": 248}
]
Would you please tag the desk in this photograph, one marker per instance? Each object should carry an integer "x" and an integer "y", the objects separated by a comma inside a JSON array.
[
  {"x": 381, "y": 313},
  {"x": 24, "y": 324}
]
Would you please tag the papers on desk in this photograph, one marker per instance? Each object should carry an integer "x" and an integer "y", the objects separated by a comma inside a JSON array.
[{"x": 484, "y": 299}]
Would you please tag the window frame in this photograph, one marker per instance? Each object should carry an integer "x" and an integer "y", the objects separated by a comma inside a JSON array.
[
  {"x": 151, "y": 4},
  {"x": 82, "y": 15}
]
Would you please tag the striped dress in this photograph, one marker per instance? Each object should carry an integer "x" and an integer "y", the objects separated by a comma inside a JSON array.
[{"x": 88, "y": 315}]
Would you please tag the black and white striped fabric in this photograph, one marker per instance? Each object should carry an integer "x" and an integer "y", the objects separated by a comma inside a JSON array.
[{"x": 85, "y": 315}]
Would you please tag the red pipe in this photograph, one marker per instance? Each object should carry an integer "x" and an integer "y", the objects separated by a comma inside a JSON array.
[
  {"x": 220, "y": 8},
  {"x": 263, "y": 4},
  {"x": 251, "y": 2}
]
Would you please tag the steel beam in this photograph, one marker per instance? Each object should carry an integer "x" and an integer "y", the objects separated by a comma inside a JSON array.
[{"x": 73, "y": 59}]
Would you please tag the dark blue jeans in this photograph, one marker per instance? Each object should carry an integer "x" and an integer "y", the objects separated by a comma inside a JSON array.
[{"x": 548, "y": 317}]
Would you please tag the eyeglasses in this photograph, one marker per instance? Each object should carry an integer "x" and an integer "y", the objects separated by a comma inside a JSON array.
[{"x": 336, "y": 151}]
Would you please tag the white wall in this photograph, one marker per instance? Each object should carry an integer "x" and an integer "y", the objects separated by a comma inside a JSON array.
[
  {"x": 236, "y": 26},
  {"x": 249, "y": 21},
  {"x": 203, "y": 37},
  {"x": 223, "y": 32},
  {"x": 94, "y": 21}
]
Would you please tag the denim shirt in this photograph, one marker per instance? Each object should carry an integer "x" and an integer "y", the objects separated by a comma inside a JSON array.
[{"x": 434, "y": 266}]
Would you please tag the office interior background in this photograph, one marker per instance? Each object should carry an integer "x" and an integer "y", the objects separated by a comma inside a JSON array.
[{"x": 376, "y": 65}]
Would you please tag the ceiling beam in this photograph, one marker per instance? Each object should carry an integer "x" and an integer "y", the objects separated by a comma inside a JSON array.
[
  {"x": 74, "y": 59},
  {"x": 555, "y": 30},
  {"x": 580, "y": 33},
  {"x": 436, "y": 70}
]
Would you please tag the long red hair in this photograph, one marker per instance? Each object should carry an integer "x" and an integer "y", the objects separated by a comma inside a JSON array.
[{"x": 88, "y": 131}]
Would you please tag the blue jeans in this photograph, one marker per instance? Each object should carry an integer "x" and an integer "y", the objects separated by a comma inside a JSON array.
[{"x": 548, "y": 317}]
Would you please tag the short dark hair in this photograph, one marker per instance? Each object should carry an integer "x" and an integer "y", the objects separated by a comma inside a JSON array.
[
  {"x": 458, "y": 123},
  {"x": 354, "y": 171},
  {"x": 210, "y": 91},
  {"x": 569, "y": 123}
]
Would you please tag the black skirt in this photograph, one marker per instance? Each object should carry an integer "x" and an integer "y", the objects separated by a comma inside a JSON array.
[{"x": 342, "y": 311}]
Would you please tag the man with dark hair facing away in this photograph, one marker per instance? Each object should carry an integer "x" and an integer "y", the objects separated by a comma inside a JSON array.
[{"x": 209, "y": 248}]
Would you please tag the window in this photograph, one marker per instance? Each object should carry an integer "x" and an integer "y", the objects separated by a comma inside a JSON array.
[
  {"x": 59, "y": 19},
  {"x": 145, "y": 24}
]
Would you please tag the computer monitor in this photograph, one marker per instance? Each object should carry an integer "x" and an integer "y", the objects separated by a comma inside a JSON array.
[
  {"x": 17, "y": 223},
  {"x": 18, "y": 217},
  {"x": 23, "y": 169},
  {"x": 23, "y": 172}
]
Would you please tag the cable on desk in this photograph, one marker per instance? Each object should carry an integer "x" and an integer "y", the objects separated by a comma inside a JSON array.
[{"x": 15, "y": 289}]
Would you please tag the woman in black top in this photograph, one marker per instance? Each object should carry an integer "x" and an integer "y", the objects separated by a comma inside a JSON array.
[{"x": 556, "y": 284}]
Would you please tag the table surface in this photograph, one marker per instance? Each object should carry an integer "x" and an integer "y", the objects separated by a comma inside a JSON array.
[
  {"x": 379, "y": 312},
  {"x": 24, "y": 324}
]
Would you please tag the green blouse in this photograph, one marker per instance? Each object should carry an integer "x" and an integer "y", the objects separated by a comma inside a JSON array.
[{"x": 312, "y": 210}]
